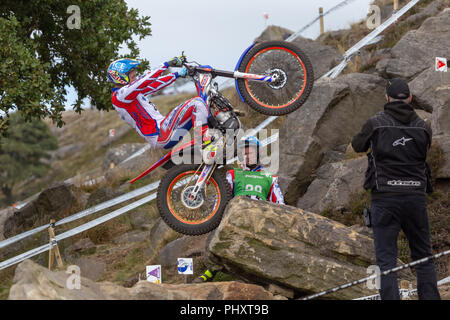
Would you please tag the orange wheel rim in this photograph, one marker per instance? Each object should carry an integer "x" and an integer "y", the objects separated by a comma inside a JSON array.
[
  {"x": 176, "y": 215},
  {"x": 286, "y": 104}
]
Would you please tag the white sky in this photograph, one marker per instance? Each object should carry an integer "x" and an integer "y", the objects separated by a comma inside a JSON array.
[{"x": 216, "y": 32}]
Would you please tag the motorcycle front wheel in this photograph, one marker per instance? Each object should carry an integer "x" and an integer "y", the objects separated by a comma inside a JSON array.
[{"x": 192, "y": 216}]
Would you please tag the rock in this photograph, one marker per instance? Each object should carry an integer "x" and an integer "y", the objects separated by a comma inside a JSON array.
[
  {"x": 272, "y": 33},
  {"x": 160, "y": 234},
  {"x": 184, "y": 247},
  {"x": 277, "y": 290},
  {"x": 141, "y": 219},
  {"x": 332, "y": 156},
  {"x": 102, "y": 194},
  {"x": 443, "y": 141},
  {"x": 5, "y": 214},
  {"x": 91, "y": 268},
  {"x": 444, "y": 291},
  {"x": 322, "y": 57},
  {"x": 34, "y": 282},
  {"x": 417, "y": 50},
  {"x": 83, "y": 246},
  {"x": 133, "y": 236},
  {"x": 52, "y": 203},
  {"x": 363, "y": 230},
  {"x": 431, "y": 10},
  {"x": 118, "y": 154},
  {"x": 432, "y": 92},
  {"x": 293, "y": 248},
  {"x": 334, "y": 112},
  {"x": 334, "y": 184}
]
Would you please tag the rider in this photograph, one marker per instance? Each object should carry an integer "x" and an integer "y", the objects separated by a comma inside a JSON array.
[
  {"x": 250, "y": 181},
  {"x": 130, "y": 102}
]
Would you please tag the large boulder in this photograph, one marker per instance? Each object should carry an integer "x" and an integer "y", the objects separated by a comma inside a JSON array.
[
  {"x": 34, "y": 282},
  {"x": 269, "y": 243},
  {"x": 432, "y": 93},
  {"x": 417, "y": 50},
  {"x": 443, "y": 141},
  {"x": 334, "y": 112},
  {"x": 334, "y": 184},
  {"x": 55, "y": 202}
]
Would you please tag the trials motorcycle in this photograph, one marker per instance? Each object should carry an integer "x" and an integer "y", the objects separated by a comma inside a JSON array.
[{"x": 274, "y": 78}]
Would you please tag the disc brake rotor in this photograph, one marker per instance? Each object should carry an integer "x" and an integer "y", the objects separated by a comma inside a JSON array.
[
  {"x": 280, "y": 78},
  {"x": 189, "y": 201}
]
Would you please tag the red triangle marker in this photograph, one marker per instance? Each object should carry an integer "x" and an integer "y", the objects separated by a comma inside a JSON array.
[{"x": 440, "y": 64}]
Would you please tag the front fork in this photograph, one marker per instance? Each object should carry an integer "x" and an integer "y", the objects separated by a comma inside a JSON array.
[{"x": 206, "y": 173}]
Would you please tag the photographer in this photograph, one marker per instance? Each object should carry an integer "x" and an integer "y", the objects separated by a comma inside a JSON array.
[{"x": 399, "y": 177}]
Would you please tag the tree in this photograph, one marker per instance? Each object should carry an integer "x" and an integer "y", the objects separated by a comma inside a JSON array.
[
  {"x": 21, "y": 152},
  {"x": 43, "y": 51}
]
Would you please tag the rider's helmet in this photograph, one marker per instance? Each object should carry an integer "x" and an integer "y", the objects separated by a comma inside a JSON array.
[
  {"x": 250, "y": 141},
  {"x": 118, "y": 70}
]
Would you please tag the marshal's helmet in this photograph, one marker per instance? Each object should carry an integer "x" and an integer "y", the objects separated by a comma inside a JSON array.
[
  {"x": 250, "y": 141},
  {"x": 118, "y": 70}
]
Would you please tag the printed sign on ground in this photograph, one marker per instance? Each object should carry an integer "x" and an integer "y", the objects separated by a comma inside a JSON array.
[{"x": 154, "y": 273}]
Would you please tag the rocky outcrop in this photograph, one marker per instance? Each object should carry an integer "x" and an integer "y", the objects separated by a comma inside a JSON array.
[
  {"x": 334, "y": 184},
  {"x": 334, "y": 112},
  {"x": 290, "y": 247},
  {"x": 34, "y": 282},
  {"x": 443, "y": 141},
  {"x": 52, "y": 203},
  {"x": 431, "y": 91},
  {"x": 417, "y": 50}
]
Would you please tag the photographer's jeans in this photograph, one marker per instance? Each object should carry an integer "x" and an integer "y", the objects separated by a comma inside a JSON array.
[{"x": 409, "y": 213}]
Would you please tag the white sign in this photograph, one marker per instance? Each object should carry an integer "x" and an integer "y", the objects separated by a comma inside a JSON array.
[
  {"x": 185, "y": 266},
  {"x": 441, "y": 64},
  {"x": 154, "y": 273},
  {"x": 112, "y": 132}
]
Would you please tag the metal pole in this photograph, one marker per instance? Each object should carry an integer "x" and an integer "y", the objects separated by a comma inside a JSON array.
[{"x": 322, "y": 28}]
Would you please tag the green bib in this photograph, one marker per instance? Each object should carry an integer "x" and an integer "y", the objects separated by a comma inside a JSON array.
[{"x": 252, "y": 183}]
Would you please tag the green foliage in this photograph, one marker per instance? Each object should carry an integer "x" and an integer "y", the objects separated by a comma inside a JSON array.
[
  {"x": 22, "y": 151},
  {"x": 41, "y": 56}
]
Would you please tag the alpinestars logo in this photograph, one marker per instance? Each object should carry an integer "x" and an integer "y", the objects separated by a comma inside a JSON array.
[
  {"x": 402, "y": 183},
  {"x": 402, "y": 141}
]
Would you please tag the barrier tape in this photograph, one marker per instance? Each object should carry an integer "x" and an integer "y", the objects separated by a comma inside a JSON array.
[
  {"x": 405, "y": 293},
  {"x": 354, "y": 283}
]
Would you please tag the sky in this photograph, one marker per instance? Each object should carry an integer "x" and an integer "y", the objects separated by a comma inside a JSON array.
[{"x": 216, "y": 32}]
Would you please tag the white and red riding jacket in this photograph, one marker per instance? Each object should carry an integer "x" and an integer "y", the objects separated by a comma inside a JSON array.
[{"x": 133, "y": 107}]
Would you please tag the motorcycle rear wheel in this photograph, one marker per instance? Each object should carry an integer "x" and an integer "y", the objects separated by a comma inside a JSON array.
[{"x": 295, "y": 78}]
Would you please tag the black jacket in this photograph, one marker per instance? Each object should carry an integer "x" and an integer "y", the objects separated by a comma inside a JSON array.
[{"x": 399, "y": 141}]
